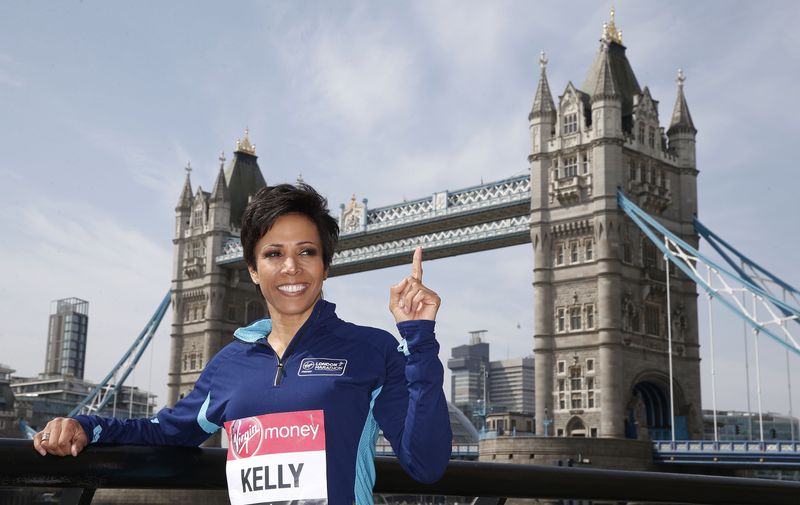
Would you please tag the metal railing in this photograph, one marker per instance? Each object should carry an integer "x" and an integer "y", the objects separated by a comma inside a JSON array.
[{"x": 139, "y": 467}]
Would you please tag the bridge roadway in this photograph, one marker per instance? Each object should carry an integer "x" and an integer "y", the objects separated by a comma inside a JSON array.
[{"x": 479, "y": 218}]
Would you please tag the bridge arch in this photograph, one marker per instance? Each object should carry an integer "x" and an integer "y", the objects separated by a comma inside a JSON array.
[
  {"x": 576, "y": 427},
  {"x": 647, "y": 411}
]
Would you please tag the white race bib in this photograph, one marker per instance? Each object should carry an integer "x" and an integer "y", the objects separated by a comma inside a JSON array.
[{"x": 277, "y": 458}]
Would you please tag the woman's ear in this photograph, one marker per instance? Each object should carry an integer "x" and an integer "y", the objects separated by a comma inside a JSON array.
[
  {"x": 253, "y": 275},
  {"x": 325, "y": 275}
]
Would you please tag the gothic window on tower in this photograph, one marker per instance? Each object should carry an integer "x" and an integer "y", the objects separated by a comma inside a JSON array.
[
  {"x": 627, "y": 253},
  {"x": 561, "y": 366},
  {"x": 590, "y": 318},
  {"x": 632, "y": 171},
  {"x": 641, "y": 133},
  {"x": 197, "y": 216},
  {"x": 570, "y": 166},
  {"x": 586, "y": 163},
  {"x": 570, "y": 123},
  {"x": 590, "y": 383},
  {"x": 231, "y": 312},
  {"x": 649, "y": 254},
  {"x": 652, "y": 319},
  {"x": 573, "y": 252},
  {"x": 590, "y": 400},
  {"x": 559, "y": 254},
  {"x": 575, "y": 401},
  {"x": 590, "y": 364},
  {"x": 562, "y": 404},
  {"x": 560, "y": 322},
  {"x": 651, "y": 137},
  {"x": 575, "y": 319},
  {"x": 588, "y": 250},
  {"x": 561, "y": 386}
]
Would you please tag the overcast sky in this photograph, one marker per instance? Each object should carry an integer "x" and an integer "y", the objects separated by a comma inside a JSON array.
[{"x": 103, "y": 103}]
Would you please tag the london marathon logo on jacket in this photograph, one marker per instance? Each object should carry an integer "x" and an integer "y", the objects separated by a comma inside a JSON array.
[{"x": 321, "y": 367}]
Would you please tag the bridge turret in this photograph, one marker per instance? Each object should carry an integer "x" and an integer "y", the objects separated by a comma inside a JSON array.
[
  {"x": 606, "y": 99},
  {"x": 542, "y": 117},
  {"x": 220, "y": 203},
  {"x": 681, "y": 132}
]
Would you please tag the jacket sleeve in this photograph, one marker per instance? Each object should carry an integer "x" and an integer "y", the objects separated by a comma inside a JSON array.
[
  {"x": 190, "y": 422},
  {"x": 411, "y": 408}
]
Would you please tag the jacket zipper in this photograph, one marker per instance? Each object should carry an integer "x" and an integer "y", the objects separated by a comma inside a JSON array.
[{"x": 276, "y": 382}]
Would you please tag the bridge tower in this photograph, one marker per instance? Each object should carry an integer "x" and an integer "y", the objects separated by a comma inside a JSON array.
[
  {"x": 600, "y": 335},
  {"x": 210, "y": 302}
]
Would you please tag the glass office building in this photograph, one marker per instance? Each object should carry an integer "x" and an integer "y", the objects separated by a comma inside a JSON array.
[{"x": 66, "y": 337}]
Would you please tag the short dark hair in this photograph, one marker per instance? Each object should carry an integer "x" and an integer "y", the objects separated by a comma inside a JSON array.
[{"x": 272, "y": 202}]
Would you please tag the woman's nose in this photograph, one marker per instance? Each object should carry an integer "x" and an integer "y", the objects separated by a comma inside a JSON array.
[{"x": 289, "y": 266}]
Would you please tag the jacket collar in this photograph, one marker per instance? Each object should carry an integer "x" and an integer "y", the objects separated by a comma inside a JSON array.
[{"x": 260, "y": 329}]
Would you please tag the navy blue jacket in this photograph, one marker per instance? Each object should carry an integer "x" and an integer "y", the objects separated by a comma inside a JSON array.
[{"x": 396, "y": 388}]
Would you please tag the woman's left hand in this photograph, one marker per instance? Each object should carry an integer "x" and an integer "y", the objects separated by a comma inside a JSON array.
[{"x": 410, "y": 300}]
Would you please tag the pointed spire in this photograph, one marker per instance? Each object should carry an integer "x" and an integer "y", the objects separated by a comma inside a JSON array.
[
  {"x": 220, "y": 192},
  {"x": 605, "y": 87},
  {"x": 185, "y": 200},
  {"x": 543, "y": 105},
  {"x": 681, "y": 119}
]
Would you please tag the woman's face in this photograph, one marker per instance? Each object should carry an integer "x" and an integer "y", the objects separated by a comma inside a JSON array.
[{"x": 289, "y": 268}]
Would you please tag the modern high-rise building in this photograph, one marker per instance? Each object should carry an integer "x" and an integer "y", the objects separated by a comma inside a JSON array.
[
  {"x": 511, "y": 385},
  {"x": 66, "y": 337},
  {"x": 600, "y": 290},
  {"x": 469, "y": 365}
]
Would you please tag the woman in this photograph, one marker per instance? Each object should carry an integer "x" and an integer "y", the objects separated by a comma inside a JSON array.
[{"x": 326, "y": 384}]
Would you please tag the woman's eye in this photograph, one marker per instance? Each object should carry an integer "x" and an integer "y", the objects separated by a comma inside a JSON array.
[
  {"x": 308, "y": 252},
  {"x": 272, "y": 254}
]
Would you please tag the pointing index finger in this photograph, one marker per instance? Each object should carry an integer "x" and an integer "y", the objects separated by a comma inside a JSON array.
[{"x": 416, "y": 264}]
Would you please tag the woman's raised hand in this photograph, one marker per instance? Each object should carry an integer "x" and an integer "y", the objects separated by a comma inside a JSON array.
[
  {"x": 62, "y": 436},
  {"x": 409, "y": 299}
]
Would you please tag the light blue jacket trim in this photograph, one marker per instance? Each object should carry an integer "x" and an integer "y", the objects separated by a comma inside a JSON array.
[
  {"x": 203, "y": 421},
  {"x": 403, "y": 347},
  {"x": 255, "y": 331},
  {"x": 365, "y": 457},
  {"x": 154, "y": 420},
  {"x": 96, "y": 434}
]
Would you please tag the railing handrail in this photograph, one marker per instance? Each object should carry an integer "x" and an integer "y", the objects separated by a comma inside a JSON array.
[{"x": 204, "y": 468}]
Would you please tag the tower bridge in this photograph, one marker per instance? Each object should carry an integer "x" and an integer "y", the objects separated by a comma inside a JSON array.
[{"x": 616, "y": 335}]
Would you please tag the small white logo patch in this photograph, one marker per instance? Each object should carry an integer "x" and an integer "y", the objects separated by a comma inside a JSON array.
[{"x": 322, "y": 367}]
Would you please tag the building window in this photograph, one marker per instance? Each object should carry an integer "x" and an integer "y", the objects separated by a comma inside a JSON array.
[
  {"x": 590, "y": 400},
  {"x": 575, "y": 384},
  {"x": 573, "y": 252},
  {"x": 575, "y": 401},
  {"x": 197, "y": 216},
  {"x": 559, "y": 254},
  {"x": 651, "y": 137},
  {"x": 571, "y": 166},
  {"x": 593, "y": 432},
  {"x": 590, "y": 383},
  {"x": 586, "y": 162},
  {"x": 649, "y": 254},
  {"x": 560, "y": 366},
  {"x": 590, "y": 365},
  {"x": 588, "y": 250},
  {"x": 652, "y": 316},
  {"x": 561, "y": 384},
  {"x": 562, "y": 403},
  {"x": 560, "y": 321},
  {"x": 575, "y": 318},
  {"x": 570, "y": 123},
  {"x": 560, "y": 432},
  {"x": 627, "y": 255},
  {"x": 590, "y": 320},
  {"x": 632, "y": 171},
  {"x": 641, "y": 133}
]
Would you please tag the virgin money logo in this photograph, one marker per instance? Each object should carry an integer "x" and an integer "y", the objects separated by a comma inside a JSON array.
[
  {"x": 245, "y": 437},
  {"x": 308, "y": 365}
]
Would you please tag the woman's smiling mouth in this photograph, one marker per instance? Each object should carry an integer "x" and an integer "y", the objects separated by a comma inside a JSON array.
[{"x": 293, "y": 289}]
